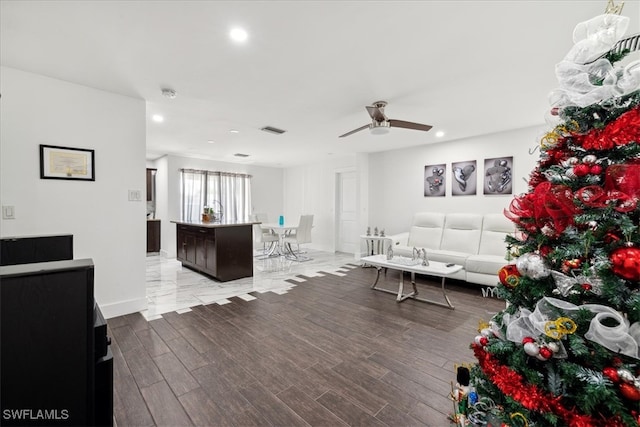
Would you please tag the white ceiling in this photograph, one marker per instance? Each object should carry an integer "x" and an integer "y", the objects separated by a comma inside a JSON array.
[{"x": 309, "y": 67}]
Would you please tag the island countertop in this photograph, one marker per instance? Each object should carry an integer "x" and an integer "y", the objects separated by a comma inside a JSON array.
[{"x": 214, "y": 224}]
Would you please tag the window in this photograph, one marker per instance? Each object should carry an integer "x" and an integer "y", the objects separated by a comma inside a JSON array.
[{"x": 229, "y": 194}]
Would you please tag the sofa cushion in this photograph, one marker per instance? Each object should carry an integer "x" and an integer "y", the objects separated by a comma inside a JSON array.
[
  {"x": 495, "y": 228},
  {"x": 485, "y": 264},
  {"x": 482, "y": 279},
  {"x": 426, "y": 231},
  {"x": 461, "y": 233}
]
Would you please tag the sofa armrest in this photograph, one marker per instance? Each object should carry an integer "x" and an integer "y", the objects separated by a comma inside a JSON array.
[{"x": 401, "y": 239}]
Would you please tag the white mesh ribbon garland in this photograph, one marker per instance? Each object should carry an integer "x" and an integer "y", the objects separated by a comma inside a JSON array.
[
  {"x": 584, "y": 79},
  {"x": 621, "y": 338},
  {"x": 616, "y": 338},
  {"x": 596, "y": 37},
  {"x": 534, "y": 324}
]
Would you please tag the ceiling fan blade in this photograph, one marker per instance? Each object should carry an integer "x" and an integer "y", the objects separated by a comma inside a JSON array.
[
  {"x": 355, "y": 130},
  {"x": 376, "y": 114},
  {"x": 408, "y": 125}
]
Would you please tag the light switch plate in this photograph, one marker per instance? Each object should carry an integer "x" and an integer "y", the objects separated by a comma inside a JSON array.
[
  {"x": 8, "y": 212},
  {"x": 135, "y": 195}
]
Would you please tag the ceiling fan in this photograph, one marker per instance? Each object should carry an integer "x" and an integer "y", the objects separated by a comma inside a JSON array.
[{"x": 380, "y": 123}]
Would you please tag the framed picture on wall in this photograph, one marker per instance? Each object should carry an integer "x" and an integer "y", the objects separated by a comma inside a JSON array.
[
  {"x": 498, "y": 173},
  {"x": 464, "y": 180},
  {"x": 66, "y": 163},
  {"x": 434, "y": 180}
]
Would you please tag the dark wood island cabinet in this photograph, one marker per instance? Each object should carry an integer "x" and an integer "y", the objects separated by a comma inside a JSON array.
[{"x": 221, "y": 250}]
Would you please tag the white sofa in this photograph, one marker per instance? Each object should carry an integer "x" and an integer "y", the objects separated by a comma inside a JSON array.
[{"x": 477, "y": 242}]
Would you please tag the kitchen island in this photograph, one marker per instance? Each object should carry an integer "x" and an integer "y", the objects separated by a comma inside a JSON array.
[{"x": 222, "y": 250}]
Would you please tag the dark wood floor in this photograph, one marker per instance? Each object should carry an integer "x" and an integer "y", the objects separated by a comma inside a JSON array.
[{"x": 331, "y": 352}]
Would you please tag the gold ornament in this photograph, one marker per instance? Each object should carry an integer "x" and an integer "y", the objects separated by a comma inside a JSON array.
[
  {"x": 520, "y": 415},
  {"x": 482, "y": 325},
  {"x": 560, "y": 327},
  {"x": 550, "y": 140}
]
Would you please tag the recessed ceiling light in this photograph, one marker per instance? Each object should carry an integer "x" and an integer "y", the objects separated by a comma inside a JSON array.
[
  {"x": 439, "y": 134},
  {"x": 157, "y": 118},
  {"x": 211, "y": 141},
  {"x": 238, "y": 34},
  {"x": 234, "y": 131}
]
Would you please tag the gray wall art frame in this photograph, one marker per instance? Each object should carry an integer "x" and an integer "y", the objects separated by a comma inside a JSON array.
[
  {"x": 435, "y": 180},
  {"x": 464, "y": 178},
  {"x": 498, "y": 176}
]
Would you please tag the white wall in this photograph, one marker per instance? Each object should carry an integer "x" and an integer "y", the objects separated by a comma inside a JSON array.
[
  {"x": 266, "y": 191},
  {"x": 391, "y": 183},
  {"x": 311, "y": 189},
  {"x": 396, "y": 189},
  {"x": 106, "y": 226}
]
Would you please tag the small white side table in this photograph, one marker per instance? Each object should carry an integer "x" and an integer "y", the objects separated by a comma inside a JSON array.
[{"x": 375, "y": 244}]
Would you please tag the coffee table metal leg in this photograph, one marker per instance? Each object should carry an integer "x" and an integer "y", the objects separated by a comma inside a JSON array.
[
  {"x": 402, "y": 297},
  {"x": 376, "y": 281},
  {"x": 441, "y": 304},
  {"x": 444, "y": 293},
  {"x": 378, "y": 277}
]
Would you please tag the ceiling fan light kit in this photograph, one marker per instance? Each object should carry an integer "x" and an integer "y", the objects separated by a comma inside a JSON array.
[
  {"x": 379, "y": 129},
  {"x": 380, "y": 123}
]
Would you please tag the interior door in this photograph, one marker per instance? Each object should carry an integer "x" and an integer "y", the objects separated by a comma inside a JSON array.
[{"x": 346, "y": 212}]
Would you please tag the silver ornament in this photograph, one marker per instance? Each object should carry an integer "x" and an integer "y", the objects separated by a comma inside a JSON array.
[
  {"x": 522, "y": 262},
  {"x": 532, "y": 349},
  {"x": 553, "y": 346},
  {"x": 589, "y": 159},
  {"x": 570, "y": 174},
  {"x": 625, "y": 375},
  {"x": 569, "y": 162},
  {"x": 533, "y": 266}
]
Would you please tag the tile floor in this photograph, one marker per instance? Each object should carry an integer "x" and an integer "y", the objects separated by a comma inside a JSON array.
[{"x": 171, "y": 287}]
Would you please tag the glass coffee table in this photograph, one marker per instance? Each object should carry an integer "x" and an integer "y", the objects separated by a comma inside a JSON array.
[{"x": 409, "y": 265}]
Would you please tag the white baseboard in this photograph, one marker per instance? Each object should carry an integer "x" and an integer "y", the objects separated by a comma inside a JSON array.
[{"x": 123, "y": 307}]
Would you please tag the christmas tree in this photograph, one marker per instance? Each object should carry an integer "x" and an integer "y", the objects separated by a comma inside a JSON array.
[{"x": 565, "y": 351}]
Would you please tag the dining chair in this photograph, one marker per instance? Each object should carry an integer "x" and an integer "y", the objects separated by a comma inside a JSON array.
[
  {"x": 262, "y": 235},
  {"x": 301, "y": 235}
]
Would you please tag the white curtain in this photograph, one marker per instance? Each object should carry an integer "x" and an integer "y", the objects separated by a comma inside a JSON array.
[
  {"x": 229, "y": 194},
  {"x": 193, "y": 196}
]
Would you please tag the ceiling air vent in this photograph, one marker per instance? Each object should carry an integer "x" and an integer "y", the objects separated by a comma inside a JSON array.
[
  {"x": 241, "y": 155},
  {"x": 271, "y": 129}
]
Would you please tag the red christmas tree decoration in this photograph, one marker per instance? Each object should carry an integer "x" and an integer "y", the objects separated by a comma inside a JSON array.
[{"x": 625, "y": 262}]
